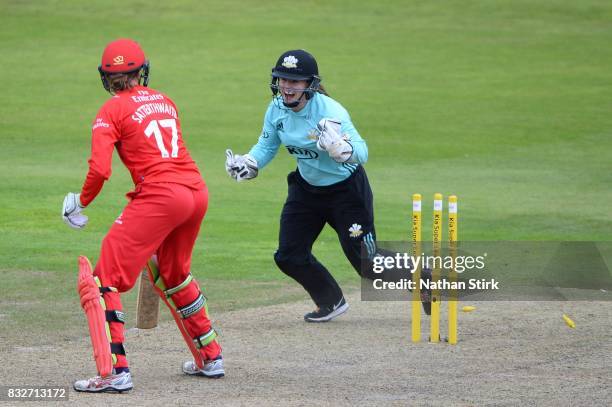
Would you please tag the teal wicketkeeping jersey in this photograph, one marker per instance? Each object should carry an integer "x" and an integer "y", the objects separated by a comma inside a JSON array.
[{"x": 297, "y": 132}]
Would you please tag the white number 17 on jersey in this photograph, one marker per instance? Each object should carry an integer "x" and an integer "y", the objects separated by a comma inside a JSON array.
[{"x": 153, "y": 129}]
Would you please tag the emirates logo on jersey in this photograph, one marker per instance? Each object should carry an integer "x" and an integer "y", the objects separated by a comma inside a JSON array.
[
  {"x": 100, "y": 123},
  {"x": 118, "y": 60}
]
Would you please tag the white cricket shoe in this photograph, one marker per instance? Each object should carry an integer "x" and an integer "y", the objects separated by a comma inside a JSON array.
[
  {"x": 113, "y": 383},
  {"x": 213, "y": 369}
]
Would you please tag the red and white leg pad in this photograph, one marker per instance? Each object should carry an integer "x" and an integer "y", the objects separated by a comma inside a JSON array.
[
  {"x": 93, "y": 305},
  {"x": 188, "y": 307},
  {"x": 102, "y": 307}
]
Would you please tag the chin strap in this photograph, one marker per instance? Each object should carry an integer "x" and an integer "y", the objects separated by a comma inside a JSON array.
[{"x": 293, "y": 104}]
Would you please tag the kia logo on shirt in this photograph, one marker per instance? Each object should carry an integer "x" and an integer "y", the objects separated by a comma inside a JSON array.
[{"x": 302, "y": 153}]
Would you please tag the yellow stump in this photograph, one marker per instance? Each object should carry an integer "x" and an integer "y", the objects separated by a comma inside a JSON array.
[
  {"x": 416, "y": 276},
  {"x": 434, "y": 330},
  {"x": 452, "y": 240}
]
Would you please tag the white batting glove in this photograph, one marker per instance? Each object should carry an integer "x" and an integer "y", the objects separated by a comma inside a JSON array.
[
  {"x": 330, "y": 140},
  {"x": 71, "y": 211},
  {"x": 240, "y": 167}
]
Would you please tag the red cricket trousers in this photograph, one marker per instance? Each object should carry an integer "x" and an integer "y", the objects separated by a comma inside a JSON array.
[{"x": 162, "y": 219}]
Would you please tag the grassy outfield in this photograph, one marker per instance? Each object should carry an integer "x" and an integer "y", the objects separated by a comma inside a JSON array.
[{"x": 506, "y": 104}]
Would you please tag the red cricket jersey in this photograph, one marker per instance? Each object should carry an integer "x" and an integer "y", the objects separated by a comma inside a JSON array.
[{"x": 143, "y": 125}]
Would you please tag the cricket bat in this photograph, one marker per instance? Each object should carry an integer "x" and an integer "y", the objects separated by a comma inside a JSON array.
[{"x": 147, "y": 305}]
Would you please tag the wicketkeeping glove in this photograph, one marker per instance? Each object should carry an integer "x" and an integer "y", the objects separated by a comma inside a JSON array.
[
  {"x": 240, "y": 167},
  {"x": 71, "y": 211},
  {"x": 330, "y": 140}
]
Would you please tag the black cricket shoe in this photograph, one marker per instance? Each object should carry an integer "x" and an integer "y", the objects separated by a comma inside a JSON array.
[
  {"x": 426, "y": 294},
  {"x": 327, "y": 313}
]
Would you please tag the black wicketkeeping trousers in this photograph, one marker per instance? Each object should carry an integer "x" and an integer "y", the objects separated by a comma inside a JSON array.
[{"x": 347, "y": 207}]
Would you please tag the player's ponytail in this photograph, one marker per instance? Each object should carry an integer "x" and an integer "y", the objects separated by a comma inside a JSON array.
[
  {"x": 321, "y": 89},
  {"x": 122, "y": 81}
]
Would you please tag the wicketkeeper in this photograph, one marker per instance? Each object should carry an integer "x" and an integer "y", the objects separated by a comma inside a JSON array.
[
  {"x": 329, "y": 186},
  {"x": 158, "y": 228}
]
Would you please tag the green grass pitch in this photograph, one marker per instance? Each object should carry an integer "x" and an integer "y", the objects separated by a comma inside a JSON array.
[{"x": 506, "y": 104}]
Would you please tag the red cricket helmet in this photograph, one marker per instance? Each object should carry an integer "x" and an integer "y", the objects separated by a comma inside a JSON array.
[{"x": 123, "y": 56}]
